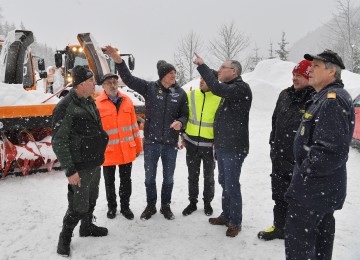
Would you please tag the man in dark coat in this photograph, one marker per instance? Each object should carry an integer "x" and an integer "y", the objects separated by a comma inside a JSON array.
[
  {"x": 321, "y": 147},
  {"x": 286, "y": 119},
  {"x": 231, "y": 137},
  {"x": 79, "y": 143},
  {"x": 166, "y": 113}
]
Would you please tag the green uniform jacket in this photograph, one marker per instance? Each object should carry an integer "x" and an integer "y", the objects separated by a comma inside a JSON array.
[{"x": 78, "y": 140}]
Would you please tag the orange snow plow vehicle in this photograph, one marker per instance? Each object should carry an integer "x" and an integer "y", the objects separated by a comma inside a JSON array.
[{"x": 25, "y": 130}]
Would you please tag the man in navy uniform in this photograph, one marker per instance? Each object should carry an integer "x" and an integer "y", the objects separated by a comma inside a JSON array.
[{"x": 321, "y": 147}]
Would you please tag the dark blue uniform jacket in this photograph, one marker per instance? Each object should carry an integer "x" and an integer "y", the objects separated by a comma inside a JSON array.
[
  {"x": 162, "y": 106},
  {"x": 321, "y": 148}
]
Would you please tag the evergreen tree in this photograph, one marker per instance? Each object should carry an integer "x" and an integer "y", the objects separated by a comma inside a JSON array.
[
  {"x": 282, "y": 52},
  {"x": 255, "y": 59},
  {"x": 271, "y": 51}
]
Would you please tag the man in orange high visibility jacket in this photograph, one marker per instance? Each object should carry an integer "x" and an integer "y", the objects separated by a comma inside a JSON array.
[{"x": 119, "y": 121}]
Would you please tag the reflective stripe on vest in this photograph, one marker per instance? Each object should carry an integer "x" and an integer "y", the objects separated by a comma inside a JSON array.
[
  {"x": 112, "y": 131},
  {"x": 202, "y": 144}
]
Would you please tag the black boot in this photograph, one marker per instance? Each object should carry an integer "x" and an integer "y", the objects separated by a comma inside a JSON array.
[
  {"x": 111, "y": 213},
  {"x": 208, "y": 209},
  {"x": 149, "y": 211},
  {"x": 189, "y": 209},
  {"x": 166, "y": 211},
  {"x": 127, "y": 213},
  {"x": 69, "y": 223},
  {"x": 63, "y": 247},
  {"x": 87, "y": 228},
  {"x": 271, "y": 233}
]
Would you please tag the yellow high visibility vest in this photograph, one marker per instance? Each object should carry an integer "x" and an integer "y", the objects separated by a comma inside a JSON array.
[{"x": 202, "y": 109}]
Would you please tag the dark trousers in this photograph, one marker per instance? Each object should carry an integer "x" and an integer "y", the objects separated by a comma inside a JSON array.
[
  {"x": 194, "y": 156},
  {"x": 308, "y": 234},
  {"x": 280, "y": 181},
  {"x": 82, "y": 199},
  {"x": 124, "y": 188},
  {"x": 168, "y": 154}
]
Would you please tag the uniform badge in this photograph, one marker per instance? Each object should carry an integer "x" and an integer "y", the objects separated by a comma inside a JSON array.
[
  {"x": 302, "y": 131},
  {"x": 308, "y": 115},
  {"x": 160, "y": 91},
  {"x": 331, "y": 95}
]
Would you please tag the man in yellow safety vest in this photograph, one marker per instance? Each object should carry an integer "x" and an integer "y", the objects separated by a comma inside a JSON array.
[{"x": 198, "y": 140}]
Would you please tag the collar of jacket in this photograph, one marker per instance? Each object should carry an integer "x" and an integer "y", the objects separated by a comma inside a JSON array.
[
  {"x": 103, "y": 96},
  {"x": 238, "y": 78},
  {"x": 335, "y": 84},
  {"x": 172, "y": 87},
  {"x": 299, "y": 95}
]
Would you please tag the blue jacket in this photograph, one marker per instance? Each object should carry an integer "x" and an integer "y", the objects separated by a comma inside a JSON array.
[
  {"x": 321, "y": 148},
  {"x": 162, "y": 107},
  {"x": 231, "y": 126}
]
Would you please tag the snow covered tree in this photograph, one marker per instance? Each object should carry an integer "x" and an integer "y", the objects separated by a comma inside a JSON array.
[
  {"x": 271, "y": 51},
  {"x": 22, "y": 26},
  {"x": 345, "y": 33},
  {"x": 229, "y": 43},
  {"x": 282, "y": 52},
  {"x": 180, "y": 70},
  {"x": 254, "y": 60},
  {"x": 184, "y": 54}
]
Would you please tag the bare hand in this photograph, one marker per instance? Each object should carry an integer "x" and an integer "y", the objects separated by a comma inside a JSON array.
[
  {"x": 113, "y": 53},
  {"x": 74, "y": 179},
  {"x": 198, "y": 60},
  {"x": 176, "y": 125}
]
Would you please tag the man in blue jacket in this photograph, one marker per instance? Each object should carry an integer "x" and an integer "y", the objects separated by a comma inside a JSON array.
[
  {"x": 321, "y": 147},
  {"x": 166, "y": 113},
  {"x": 231, "y": 137}
]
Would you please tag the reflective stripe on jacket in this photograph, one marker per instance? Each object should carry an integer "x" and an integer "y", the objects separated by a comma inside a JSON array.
[
  {"x": 202, "y": 109},
  {"x": 122, "y": 128}
]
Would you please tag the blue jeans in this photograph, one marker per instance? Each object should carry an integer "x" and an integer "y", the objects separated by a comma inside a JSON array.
[
  {"x": 229, "y": 164},
  {"x": 152, "y": 153}
]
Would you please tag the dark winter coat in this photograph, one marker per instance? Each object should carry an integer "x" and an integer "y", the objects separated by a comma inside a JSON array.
[
  {"x": 162, "y": 107},
  {"x": 286, "y": 119},
  {"x": 78, "y": 138},
  {"x": 321, "y": 150},
  {"x": 231, "y": 126}
]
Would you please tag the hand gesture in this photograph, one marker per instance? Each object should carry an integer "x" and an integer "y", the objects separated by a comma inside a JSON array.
[
  {"x": 198, "y": 60},
  {"x": 113, "y": 53}
]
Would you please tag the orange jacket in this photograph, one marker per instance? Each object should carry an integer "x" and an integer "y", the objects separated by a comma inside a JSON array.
[{"x": 122, "y": 128}]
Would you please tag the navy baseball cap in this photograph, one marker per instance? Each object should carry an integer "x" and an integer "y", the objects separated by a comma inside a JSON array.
[{"x": 327, "y": 56}]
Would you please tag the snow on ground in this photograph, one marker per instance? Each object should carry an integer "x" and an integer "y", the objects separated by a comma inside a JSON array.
[{"x": 32, "y": 207}]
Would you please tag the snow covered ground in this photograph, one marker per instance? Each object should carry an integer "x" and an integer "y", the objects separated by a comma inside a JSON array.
[{"x": 32, "y": 207}]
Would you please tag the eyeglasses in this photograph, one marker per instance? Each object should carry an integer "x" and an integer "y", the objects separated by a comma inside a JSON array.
[{"x": 224, "y": 67}]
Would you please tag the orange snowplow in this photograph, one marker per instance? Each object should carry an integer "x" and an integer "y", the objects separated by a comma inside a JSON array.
[{"x": 25, "y": 130}]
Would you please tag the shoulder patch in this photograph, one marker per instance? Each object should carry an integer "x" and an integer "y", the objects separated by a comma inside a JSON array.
[{"x": 331, "y": 95}]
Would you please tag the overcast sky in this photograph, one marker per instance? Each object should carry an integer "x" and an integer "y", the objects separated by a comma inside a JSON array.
[{"x": 151, "y": 29}]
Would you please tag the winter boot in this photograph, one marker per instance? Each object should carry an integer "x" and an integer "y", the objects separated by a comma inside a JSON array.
[
  {"x": 87, "y": 228},
  {"x": 63, "y": 247},
  {"x": 271, "y": 234},
  {"x": 71, "y": 219},
  {"x": 233, "y": 230},
  {"x": 127, "y": 213},
  {"x": 166, "y": 211},
  {"x": 111, "y": 213},
  {"x": 220, "y": 221},
  {"x": 208, "y": 209},
  {"x": 189, "y": 209},
  {"x": 148, "y": 212}
]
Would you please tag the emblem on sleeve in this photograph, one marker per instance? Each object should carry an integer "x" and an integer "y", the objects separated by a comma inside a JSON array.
[{"x": 331, "y": 95}]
